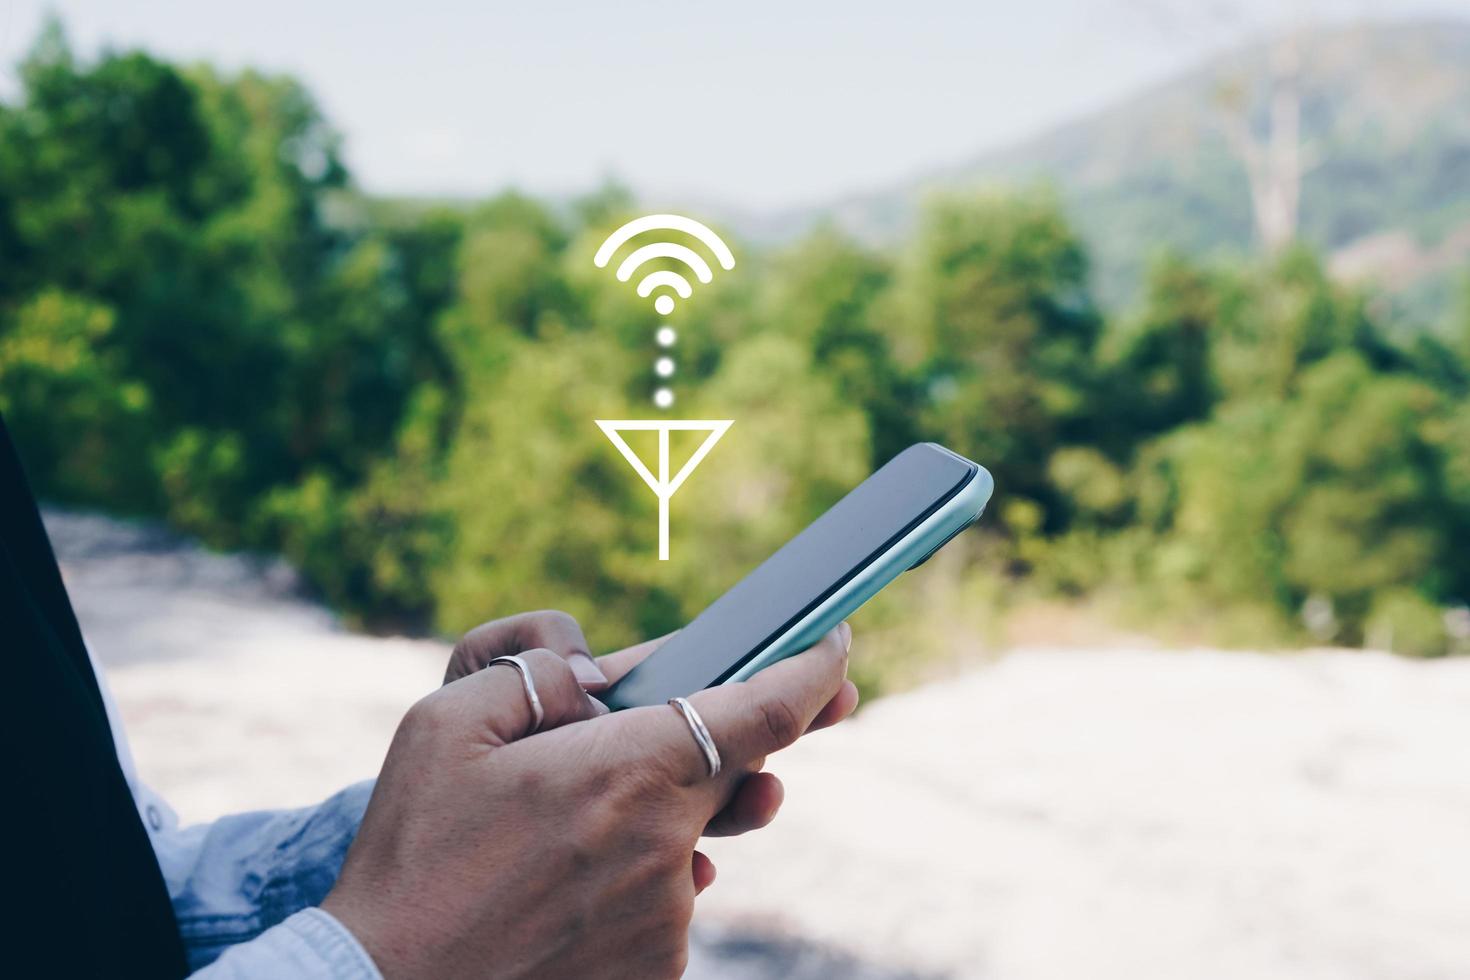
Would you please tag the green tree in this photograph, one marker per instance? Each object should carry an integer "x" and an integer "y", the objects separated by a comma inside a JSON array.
[
  {"x": 267, "y": 338},
  {"x": 826, "y": 292},
  {"x": 1333, "y": 492},
  {"x": 992, "y": 305},
  {"x": 1161, "y": 376},
  {"x": 65, "y": 398}
]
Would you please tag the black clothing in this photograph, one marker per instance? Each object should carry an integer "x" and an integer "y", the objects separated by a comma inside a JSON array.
[{"x": 86, "y": 897}]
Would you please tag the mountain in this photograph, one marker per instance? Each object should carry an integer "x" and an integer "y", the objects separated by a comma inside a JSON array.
[{"x": 1385, "y": 136}]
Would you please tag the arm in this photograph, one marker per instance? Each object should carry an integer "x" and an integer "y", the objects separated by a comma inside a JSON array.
[{"x": 244, "y": 886}]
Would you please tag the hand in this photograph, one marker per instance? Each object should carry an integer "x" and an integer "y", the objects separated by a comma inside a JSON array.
[
  {"x": 488, "y": 853},
  {"x": 758, "y": 797},
  {"x": 756, "y": 800}
]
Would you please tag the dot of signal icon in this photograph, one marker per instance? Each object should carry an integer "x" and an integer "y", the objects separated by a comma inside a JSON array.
[{"x": 663, "y": 479}]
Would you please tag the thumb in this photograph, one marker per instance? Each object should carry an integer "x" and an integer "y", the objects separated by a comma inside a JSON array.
[{"x": 747, "y": 721}]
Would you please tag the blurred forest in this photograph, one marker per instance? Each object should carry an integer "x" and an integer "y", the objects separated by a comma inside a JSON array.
[{"x": 201, "y": 318}]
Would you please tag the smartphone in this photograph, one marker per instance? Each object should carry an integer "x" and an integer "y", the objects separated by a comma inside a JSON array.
[{"x": 893, "y": 521}]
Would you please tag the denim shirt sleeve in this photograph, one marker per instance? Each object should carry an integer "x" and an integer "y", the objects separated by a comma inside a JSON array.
[{"x": 237, "y": 880}]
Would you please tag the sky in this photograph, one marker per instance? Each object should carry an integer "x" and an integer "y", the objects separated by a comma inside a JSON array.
[{"x": 758, "y": 105}]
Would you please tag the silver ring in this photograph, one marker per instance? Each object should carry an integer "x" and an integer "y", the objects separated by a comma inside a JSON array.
[
  {"x": 701, "y": 734},
  {"x": 524, "y": 669}
]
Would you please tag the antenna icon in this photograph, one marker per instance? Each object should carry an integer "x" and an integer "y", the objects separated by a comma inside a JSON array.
[{"x": 663, "y": 486}]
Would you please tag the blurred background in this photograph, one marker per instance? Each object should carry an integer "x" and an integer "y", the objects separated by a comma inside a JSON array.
[{"x": 301, "y": 340}]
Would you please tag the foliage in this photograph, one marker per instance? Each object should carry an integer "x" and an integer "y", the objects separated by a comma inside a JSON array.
[{"x": 201, "y": 318}]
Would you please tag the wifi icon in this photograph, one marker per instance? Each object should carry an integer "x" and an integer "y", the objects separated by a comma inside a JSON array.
[
  {"x": 664, "y": 303},
  {"x": 665, "y": 282}
]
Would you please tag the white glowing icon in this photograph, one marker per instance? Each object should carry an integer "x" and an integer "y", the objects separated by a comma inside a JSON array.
[
  {"x": 664, "y": 284},
  {"x": 665, "y": 278},
  {"x": 663, "y": 486}
]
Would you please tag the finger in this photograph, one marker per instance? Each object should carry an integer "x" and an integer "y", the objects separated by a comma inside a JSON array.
[
  {"x": 704, "y": 871},
  {"x": 843, "y": 704},
  {"x": 495, "y": 700},
  {"x": 615, "y": 665},
  {"x": 547, "y": 629},
  {"x": 560, "y": 633},
  {"x": 754, "y": 805},
  {"x": 765, "y": 714}
]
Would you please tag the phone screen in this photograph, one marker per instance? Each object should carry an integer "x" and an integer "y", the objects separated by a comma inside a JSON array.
[{"x": 804, "y": 572}]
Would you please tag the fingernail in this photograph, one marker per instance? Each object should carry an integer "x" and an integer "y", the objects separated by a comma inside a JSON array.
[
  {"x": 845, "y": 631},
  {"x": 588, "y": 674},
  {"x": 598, "y": 708}
]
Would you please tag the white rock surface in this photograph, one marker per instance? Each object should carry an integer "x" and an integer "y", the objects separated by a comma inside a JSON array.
[{"x": 1127, "y": 814}]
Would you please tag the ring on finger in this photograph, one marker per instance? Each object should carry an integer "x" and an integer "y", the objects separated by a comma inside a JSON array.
[
  {"x": 528, "y": 683},
  {"x": 701, "y": 734}
]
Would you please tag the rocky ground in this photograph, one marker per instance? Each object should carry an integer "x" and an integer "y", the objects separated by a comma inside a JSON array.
[{"x": 1103, "y": 813}]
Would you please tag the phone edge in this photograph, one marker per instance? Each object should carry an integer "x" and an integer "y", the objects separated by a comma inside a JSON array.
[{"x": 964, "y": 508}]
